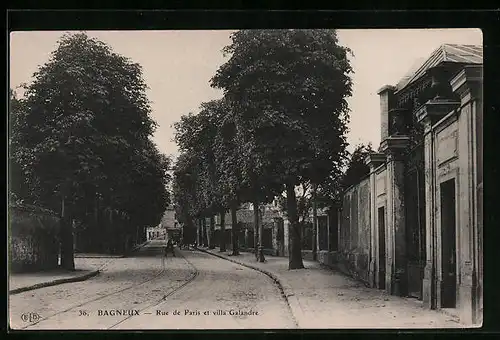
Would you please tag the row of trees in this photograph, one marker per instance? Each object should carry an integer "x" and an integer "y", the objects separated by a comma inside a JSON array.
[
  {"x": 281, "y": 123},
  {"x": 80, "y": 144}
]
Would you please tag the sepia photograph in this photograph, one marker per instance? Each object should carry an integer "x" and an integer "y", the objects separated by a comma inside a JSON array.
[{"x": 245, "y": 179}]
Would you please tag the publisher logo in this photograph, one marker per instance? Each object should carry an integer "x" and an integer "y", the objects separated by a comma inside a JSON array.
[{"x": 30, "y": 317}]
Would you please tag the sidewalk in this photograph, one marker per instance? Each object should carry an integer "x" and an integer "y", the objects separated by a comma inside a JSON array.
[
  {"x": 85, "y": 269},
  {"x": 324, "y": 298},
  {"x": 102, "y": 255},
  {"x": 97, "y": 256}
]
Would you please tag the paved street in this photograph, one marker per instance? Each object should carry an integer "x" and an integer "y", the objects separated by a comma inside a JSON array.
[
  {"x": 208, "y": 292},
  {"x": 196, "y": 290},
  {"x": 325, "y": 298}
]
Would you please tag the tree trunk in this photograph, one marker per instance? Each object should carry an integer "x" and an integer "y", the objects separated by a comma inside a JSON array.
[
  {"x": 234, "y": 231},
  {"x": 256, "y": 229},
  {"x": 66, "y": 232},
  {"x": 93, "y": 241},
  {"x": 197, "y": 232},
  {"x": 193, "y": 231},
  {"x": 295, "y": 257},
  {"x": 259, "y": 230},
  {"x": 222, "y": 237},
  {"x": 315, "y": 224},
  {"x": 199, "y": 235},
  {"x": 204, "y": 232},
  {"x": 118, "y": 238},
  {"x": 211, "y": 233}
]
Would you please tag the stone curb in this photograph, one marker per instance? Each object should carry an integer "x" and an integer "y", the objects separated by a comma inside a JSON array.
[
  {"x": 286, "y": 290},
  {"x": 55, "y": 282}
]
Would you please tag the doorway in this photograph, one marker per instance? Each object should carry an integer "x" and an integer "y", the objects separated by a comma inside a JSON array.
[
  {"x": 415, "y": 223},
  {"x": 381, "y": 248},
  {"x": 448, "y": 244}
]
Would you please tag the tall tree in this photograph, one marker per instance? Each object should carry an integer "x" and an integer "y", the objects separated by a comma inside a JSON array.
[
  {"x": 258, "y": 184},
  {"x": 228, "y": 146},
  {"x": 330, "y": 190},
  {"x": 18, "y": 189},
  {"x": 290, "y": 89},
  {"x": 194, "y": 135},
  {"x": 210, "y": 138},
  {"x": 357, "y": 168},
  {"x": 184, "y": 194}
]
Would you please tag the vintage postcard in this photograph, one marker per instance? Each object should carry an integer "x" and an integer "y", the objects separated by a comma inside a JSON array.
[{"x": 246, "y": 179}]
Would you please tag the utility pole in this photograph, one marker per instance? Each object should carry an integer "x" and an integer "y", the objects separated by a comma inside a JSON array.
[{"x": 315, "y": 224}]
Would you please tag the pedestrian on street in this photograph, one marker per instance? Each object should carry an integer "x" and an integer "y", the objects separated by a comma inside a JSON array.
[{"x": 169, "y": 248}]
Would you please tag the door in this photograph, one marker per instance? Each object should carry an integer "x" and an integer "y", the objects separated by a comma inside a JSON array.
[
  {"x": 415, "y": 232},
  {"x": 381, "y": 248},
  {"x": 415, "y": 220},
  {"x": 448, "y": 244}
]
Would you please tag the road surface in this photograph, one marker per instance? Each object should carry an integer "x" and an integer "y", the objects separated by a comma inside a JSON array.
[{"x": 194, "y": 290}]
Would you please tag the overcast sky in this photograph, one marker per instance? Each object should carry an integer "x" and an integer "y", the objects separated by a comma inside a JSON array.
[{"x": 179, "y": 64}]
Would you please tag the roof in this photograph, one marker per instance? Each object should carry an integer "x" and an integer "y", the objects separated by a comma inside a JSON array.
[{"x": 452, "y": 53}]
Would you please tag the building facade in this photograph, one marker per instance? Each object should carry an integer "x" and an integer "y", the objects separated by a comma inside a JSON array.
[
  {"x": 326, "y": 236},
  {"x": 414, "y": 226},
  {"x": 170, "y": 224},
  {"x": 245, "y": 218},
  {"x": 156, "y": 233}
]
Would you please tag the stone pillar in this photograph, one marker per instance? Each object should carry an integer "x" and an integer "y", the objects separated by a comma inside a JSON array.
[
  {"x": 428, "y": 115},
  {"x": 322, "y": 232},
  {"x": 396, "y": 276},
  {"x": 286, "y": 237},
  {"x": 339, "y": 225},
  {"x": 247, "y": 238},
  {"x": 468, "y": 85},
  {"x": 211, "y": 233},
  {"x": 386, "y": 94},
  {"x": 374, "y": 160}
]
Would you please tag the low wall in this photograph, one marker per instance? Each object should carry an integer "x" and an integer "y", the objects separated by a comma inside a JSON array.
[
  {"x": 307, "y": 255},
  {"x": 354, "y": 234},
  {"x": 328, "y": 258},
  {"x": 33, "y": 239},
  {"x": 266, "y": 251}
]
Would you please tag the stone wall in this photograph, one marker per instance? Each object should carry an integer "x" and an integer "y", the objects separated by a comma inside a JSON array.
[
  {"x": 354, "y": 234},
  {"x": 33, "y": 239},
  {"x": 328, "y": 258}
]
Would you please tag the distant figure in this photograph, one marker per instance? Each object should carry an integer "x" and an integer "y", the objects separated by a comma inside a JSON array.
[
  {"x": 181, "y": 244},
  {"x": 169, "y": 248}
]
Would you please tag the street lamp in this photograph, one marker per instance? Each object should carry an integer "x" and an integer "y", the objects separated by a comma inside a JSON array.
[{"x": 261, "y": 246}]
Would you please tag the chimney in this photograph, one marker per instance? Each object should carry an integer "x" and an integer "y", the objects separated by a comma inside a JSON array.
[{"x": 386, "y": 94}]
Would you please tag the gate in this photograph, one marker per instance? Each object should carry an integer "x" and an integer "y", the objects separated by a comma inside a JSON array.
[{"x": 415, "y": 219}]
